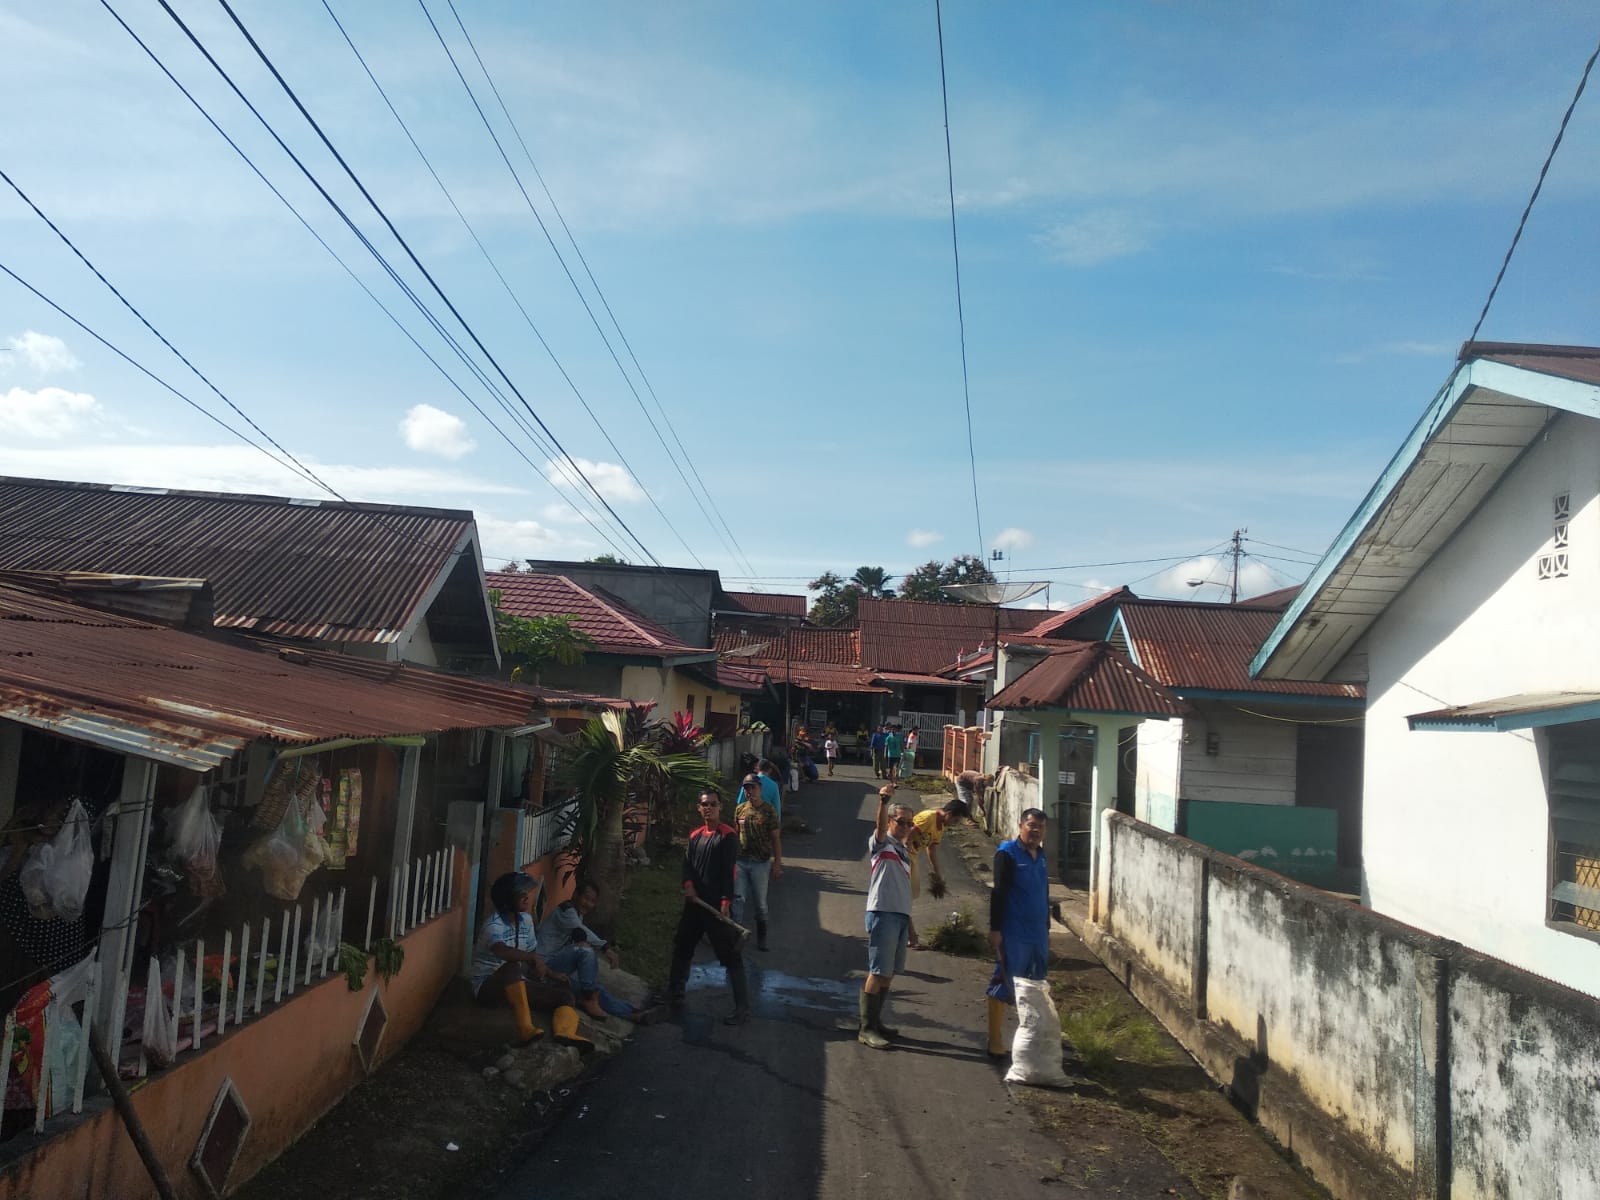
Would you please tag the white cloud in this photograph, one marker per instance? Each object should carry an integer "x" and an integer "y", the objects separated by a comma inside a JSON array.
[
  {"x": 1209, "y": 578},
  {"x": 431, "y": 430},
  {"x": 512, "y": 539},
  {"x": 1013, "y": 539},
  {"x": 42, "y": 353},
  {"x": 239, "y": 468},
  {"x": 610, "y": 480},
  {"x": 923, "y": 537},
  {"x": 1400, "y": 349},
  {"x": 47, "y": 413},
  {"x": 1094, "y": 238}
]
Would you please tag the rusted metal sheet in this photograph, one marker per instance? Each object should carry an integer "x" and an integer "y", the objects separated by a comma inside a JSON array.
[
  {"x": 1090, "y": 677},
  {"x": 1190, "y": 646},
  {"x": 346, "y": 572},
  {"x": 182, "y": 697},
  {"x": 923, "y": 639},
  {"x": 774, "y": 604}
]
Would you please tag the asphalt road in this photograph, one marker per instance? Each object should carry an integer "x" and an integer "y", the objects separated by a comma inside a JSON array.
[{"x": 790, "y": 1105}]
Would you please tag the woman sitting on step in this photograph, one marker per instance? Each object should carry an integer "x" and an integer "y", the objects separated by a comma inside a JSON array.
[{"x": 507, "y": 965}]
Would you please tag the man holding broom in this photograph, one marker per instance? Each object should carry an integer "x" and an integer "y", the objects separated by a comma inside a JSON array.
[{"x": 708, "y": 877}]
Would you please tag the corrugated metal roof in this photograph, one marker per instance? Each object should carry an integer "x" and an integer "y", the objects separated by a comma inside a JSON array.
[
  {"x": 914, "y": 679},
  {"x": 1090, "y": 677},
  {"x": 841, "y": 647},
  {"x": 826, "y": 677},
  {"x": 1208, "y": 647},
  {"x": 294, "y": 568},
  {"x": 1529, "y": 710},
  {"x": 778, "y": 604},
  {"x": 1055, "y": 622},
  {"x": 194, "y": 700},
  {"x": 615, "y": 627},
  {"x": 924, "y": 638}
]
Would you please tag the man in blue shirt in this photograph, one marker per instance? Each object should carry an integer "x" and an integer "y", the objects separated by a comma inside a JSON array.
[
  {"x": 877, "y": 751},
  {"x": 1019, "y": 917}
]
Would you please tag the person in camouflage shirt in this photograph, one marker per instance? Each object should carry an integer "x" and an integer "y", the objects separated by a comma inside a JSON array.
[{"x": 760, "y": 852}]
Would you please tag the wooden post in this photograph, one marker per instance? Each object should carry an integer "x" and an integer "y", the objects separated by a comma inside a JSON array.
[
  {"x": 244, "y": 974},
  {"x": 261, "y": 966},
  {"x": 372, "y": 904},
  {"x": 130, "y": 840},
  {"x": 222, "y": 995},
  {"x": 199, "y": 989}
]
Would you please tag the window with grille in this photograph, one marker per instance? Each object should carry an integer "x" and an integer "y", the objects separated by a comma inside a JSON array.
[{"x": 1574, "y": 777}]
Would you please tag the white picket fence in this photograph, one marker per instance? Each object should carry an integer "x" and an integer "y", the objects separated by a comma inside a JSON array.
[
  {"x": 549, "y": 829},
  {"x": 307, "y": 949}
]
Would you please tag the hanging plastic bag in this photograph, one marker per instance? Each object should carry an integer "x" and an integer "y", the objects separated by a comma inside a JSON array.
[
  {"x": 289, "y": 853},
  {"x": 160, "y": 1037},
  {"x": 196, "y": 838},
  {"x": 55, "y": 878},
  {"x": 1036, "y": 1050}
]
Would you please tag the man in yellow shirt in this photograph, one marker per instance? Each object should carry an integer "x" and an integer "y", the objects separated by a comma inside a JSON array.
[{"x": 927, "y": 831}]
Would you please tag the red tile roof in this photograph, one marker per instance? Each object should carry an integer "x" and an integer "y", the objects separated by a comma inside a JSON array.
[
  {"x": 1193, "y": 646},
  {"x": 778, "y": 604},
  {"x": 925, "y": 638},
  {"x": 1089, "y": 677},
  {"x": 615, "y": 627},
  {"x": 297, "y": 568}
]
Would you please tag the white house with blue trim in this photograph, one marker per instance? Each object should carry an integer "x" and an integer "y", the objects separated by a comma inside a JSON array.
[{"x": 1465, "y": 594}]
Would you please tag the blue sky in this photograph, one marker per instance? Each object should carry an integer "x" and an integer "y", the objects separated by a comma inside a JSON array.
[{"x": 1216, "y": 259}]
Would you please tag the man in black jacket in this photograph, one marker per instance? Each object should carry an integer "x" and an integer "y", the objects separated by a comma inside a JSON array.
[{"x": 708, "y": 869}]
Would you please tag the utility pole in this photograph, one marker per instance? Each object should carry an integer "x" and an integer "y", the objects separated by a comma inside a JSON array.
[{"x": 1236, "y": 552}]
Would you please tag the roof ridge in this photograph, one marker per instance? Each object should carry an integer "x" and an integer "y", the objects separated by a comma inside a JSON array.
[{"x": 260, "y": 498}]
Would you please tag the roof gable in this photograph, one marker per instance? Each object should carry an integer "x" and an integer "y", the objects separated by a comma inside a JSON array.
[
  {"x": 320, "y": 570},
  {"x": 1089, "y": 677},
  {"x": 616, "y": 627},
  {"x": 1499, "y": 398}
]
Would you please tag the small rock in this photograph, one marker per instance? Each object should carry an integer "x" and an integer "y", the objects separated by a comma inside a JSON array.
[
  {"x": 491, "y": 1072},
  {"x": 507, "y": 1061},
  {"x": 1241, "y": 1190},
  {"x": 516, "y": 1079}
]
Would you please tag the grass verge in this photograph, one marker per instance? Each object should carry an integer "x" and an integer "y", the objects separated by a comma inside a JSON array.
[
  {"x": 959, "y": 934},
  {"x": 1106, "y": 1033},
  {"x": 927, "y": 784},
  {"x": 652, "y": 899}
]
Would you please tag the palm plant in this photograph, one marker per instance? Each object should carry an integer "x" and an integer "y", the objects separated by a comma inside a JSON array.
[
  {"x": 874, "y": 581},
  {"x": 616, "y": 759}
]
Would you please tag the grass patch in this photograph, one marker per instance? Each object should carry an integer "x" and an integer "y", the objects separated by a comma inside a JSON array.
[
  {"x": 959, "y": 934},
  {"x": 927, "y": 784},
  {"x": 652, "y": 900},
  {"x": 1108, "y": 1033}
]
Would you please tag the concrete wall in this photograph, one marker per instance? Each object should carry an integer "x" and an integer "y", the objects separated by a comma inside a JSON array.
[
  {"x": 1456, "y": 825},
  {"x": 1390, "y": 1062},
  {"x": 1012, "y": 792},
  {"x": 289, "y": 1065},
  {"x": 678, "y": 599}
]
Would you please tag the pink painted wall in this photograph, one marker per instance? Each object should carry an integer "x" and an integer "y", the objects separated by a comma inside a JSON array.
[{"x": 289, "y": 1066}]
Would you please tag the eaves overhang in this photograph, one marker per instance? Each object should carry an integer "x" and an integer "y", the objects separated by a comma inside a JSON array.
[
  {"x": 1528, "y": 711},
  {"x": 1478, "y": 425}
]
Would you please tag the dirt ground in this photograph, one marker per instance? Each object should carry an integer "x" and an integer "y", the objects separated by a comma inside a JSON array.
[{"x": 393, "y": 1135}]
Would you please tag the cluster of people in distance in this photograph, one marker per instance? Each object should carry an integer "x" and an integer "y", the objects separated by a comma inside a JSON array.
[
  {"x": 894, "y": 754},
  {"x": 554, "y": 964}
]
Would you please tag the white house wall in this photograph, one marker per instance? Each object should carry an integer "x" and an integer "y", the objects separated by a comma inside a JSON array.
[{"x": 1456, "y": 837}]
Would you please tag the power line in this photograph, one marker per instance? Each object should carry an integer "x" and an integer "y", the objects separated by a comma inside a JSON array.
[
  {"x": 599, "y": 292},
  {"x": 528, "y": 200},
  {"x": 955, "y": 247},
  {"x": 1290, "y": 549},
  {"x": 360, "y": 236},
  {"x": 404, "y": 245},
  {"x": 1539, "y": 184},
  {"x": 493, "y": 266}
]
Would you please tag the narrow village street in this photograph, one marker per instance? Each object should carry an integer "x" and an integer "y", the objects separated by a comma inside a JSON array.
[{"x": 791, "y": 1105}]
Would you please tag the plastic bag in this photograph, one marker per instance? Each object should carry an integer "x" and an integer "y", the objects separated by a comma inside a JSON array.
[
  {"x": 196, "y": 838},
  {"x": 55, "y": 878},
  {"x": 289, "y": 853},
  {"x": 160, "y": 1035},
  {"x": 1036, "y": 1050}
]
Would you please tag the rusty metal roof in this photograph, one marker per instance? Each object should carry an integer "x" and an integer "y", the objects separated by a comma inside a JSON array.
[
  {"x": 193, "y": 700},
  {"x": 924, "y": 638},
  {"x": 324, "y": 570},
  {"x": 1191, "y": 646},
  {"x": 776, "y": 604},
  {"x": 1055, "y": 622},
  {"x": 839, "y": 647},
  {"x": 825, "y": 677},
  {"x": 615, "y": 626},
  {"x": 1090, "y": 677}
]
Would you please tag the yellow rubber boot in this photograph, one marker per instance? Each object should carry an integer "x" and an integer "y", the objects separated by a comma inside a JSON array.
[
  {"x": 997, "y": 1025},
  {"x": 517, "y": 998},
  {"x": 564, "y": 1021}
]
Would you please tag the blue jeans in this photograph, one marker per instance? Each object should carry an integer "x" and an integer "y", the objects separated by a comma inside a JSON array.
[
  {"x": 751, "y": 881},
  {"x": 577, "y": 963},
  {"x": 886, "y": 942},
  {"x": 616, "y": 1008}
]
